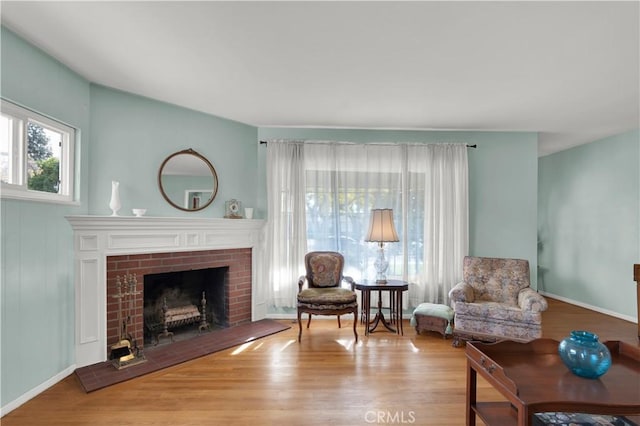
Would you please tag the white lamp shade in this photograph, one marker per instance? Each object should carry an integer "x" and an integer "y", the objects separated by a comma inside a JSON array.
[{"x": 381, "y": 227}]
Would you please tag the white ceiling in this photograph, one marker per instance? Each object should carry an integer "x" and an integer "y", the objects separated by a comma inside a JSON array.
[{"x": 569, "y": 70}]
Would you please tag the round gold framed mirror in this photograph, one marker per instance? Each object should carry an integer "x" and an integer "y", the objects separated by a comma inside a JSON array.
[{"x": 187, "y": 180}]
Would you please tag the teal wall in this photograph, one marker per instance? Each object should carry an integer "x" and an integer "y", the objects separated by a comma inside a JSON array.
[
  {"x": 588, "y": 218},
  {"x": 37, "y": 245},
  {"x": 131, "y": 136},
  {"x": 503, "y": 182}
]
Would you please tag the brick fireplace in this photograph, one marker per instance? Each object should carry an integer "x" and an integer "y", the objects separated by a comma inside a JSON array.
[
  {"x": 107, "y": 247},
  {"x": 238, "y": 282}
]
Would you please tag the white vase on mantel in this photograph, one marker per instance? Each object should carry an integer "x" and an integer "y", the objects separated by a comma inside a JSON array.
[{"x": 114, "y": 203}]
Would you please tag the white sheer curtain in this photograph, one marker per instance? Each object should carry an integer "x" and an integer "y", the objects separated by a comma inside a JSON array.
[
  {"x": 444, "y": 168},
  {"x": 286, "y": 229},
  {"x": 320, "y": 195}
]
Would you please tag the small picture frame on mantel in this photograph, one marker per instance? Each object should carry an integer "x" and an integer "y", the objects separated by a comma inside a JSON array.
[{"x": 233, "y": 209}]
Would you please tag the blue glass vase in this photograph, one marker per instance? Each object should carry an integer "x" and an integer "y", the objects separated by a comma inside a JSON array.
[{"x": 584, "y": 354}]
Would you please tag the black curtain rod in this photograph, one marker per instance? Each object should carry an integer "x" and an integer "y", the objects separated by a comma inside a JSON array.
[{"x": 468, "y": 146}]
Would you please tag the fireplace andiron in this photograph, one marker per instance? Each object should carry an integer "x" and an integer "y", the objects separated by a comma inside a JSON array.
[{"x": 182, "y": 315}]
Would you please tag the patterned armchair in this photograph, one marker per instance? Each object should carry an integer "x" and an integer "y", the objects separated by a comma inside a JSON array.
[
  {"x": 324, "y": 294},
  {"x": 495, "y": 302}
]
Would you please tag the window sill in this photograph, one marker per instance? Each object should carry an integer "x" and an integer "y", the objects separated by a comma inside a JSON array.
[{"x": 41, "y": 197}]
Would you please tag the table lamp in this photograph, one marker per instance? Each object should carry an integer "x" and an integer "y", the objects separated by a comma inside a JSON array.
[{"x": 381, "y": 230}]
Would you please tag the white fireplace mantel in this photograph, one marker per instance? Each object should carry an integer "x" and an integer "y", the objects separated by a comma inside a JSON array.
[{"x": 96, "y": 237}]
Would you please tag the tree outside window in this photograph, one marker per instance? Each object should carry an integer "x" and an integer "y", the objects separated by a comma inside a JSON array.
[{"x": 43, "y": 168}]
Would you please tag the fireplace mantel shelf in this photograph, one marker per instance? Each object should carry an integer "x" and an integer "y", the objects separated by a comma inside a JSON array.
[{"x": 91, "y": 222}]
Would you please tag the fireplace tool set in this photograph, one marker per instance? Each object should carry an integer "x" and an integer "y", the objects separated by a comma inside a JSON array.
[{"x": 126, "y": 352}]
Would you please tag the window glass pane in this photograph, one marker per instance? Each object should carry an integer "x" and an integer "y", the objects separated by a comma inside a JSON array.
[
  {"x": 43, "y": 158},
  {"x": 415, "y": 224},
  {"x": 338, "y": 210}
]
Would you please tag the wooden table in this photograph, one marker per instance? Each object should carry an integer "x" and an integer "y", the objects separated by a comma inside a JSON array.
[
  {"x": 395, "y": 289},
  {"x": 533, "y": 379}
]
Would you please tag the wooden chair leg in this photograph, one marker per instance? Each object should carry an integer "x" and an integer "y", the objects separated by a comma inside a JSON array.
[
  {"x": 458, "y": 341},
  {"x": 339, "y": 325},
  {"x": 309, "y": 321},
  {"x": 355, "y": 320},
  {"x": 299, "y": 325}
]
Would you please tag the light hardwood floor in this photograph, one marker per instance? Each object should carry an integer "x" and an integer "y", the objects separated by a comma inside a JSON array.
[{"x": 327, "y": 379}]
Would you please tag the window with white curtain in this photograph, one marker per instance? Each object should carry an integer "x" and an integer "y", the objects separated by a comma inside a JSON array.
[{"x": 337, "y": 186}]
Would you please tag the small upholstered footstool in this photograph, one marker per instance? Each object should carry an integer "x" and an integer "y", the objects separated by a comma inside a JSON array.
[{"x": 433, "y": 317}]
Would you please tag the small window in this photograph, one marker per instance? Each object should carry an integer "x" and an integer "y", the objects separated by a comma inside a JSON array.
[{"x": 36, "y": 156}]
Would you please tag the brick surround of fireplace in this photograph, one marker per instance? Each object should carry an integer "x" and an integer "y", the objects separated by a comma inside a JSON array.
[{"x": 238, "y": 294}]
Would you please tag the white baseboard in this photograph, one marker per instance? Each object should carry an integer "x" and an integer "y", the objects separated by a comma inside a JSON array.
[
  {"x": 593, "y": 308},
  {"x": 36, "y": 391}
]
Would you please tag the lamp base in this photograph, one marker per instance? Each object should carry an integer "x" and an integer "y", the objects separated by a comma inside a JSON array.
[{"x": 381, "y": 265}]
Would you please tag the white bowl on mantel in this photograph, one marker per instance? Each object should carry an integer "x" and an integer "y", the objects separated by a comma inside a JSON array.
[{"x": 139, "y": 212}]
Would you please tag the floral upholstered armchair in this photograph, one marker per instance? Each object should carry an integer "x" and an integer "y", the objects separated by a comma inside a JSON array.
[
  {"x": 495, "y": 302},
  {"x": 324, "y": 294}
]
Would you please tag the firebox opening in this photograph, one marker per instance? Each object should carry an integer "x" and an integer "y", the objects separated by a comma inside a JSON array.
[{"x": 173, "y": 304}]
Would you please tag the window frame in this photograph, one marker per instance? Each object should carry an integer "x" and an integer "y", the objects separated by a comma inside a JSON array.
[{"x": 19, "y": 156}]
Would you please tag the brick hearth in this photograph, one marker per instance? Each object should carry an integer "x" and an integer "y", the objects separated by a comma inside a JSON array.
[{"x": 238, "y": 300}]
